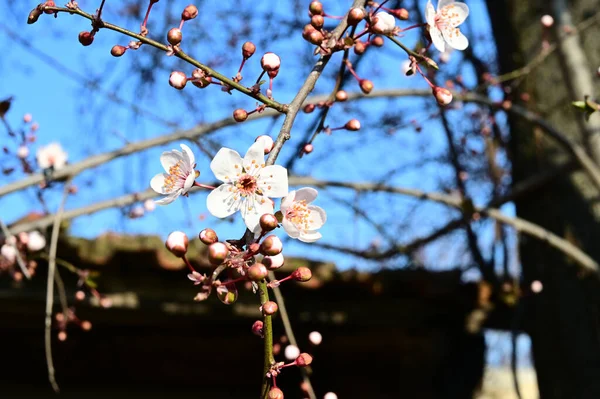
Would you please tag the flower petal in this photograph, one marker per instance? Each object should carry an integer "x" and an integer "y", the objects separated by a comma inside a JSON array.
[
  {"x": 430, "y": 14},
  {"x": 307, "y": 194},
  {"x": 224, "y": 164},
  {"x": 443, "y": 3},
  {"x": 437, "y": 38},
  {"x": 158, "y": 183},
  {"x": 457, "y": 13},
  {"x": 168, "y": 199},
  {"x": 273, "y": 181},
  {"x": 317, "y": 217},
  {"x": 220, "y": 201},
  {"x": 189, "y": 182},
  {"x": 253, "y": 208},
  {"x": 455, "y": 38},
  {"x": 188, "y": 156},
  {"x": 310, "y": 236},
  {"x": 290, "y": 228},
  {"x": 287, "y": 201},
  {"x": 254, "y": 158},
  {"x": 169, "y": 159}
]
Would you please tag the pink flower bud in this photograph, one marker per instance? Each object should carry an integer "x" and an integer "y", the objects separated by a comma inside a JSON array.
[
  {"x": 248, "y": 49},
  {"x": 177, "y": 80},
  {"x": 359, "y": 47},
  {"x": 23, "y": 152},
  {"x": 190, "y": 12},
  {"x": 149, "y": 205},
  {"x": 267, "y": 141},
  {"x": 217, "y": 253},
  {"x": 547, "y": 21},
  {"x": 383, "y": 23},
  {"x": 177, "y": 243},
  {"x": 257, "y": 272},
  {"x": 315, "y": 8},
  {"x": 302, "y": 274},
  {"x": 174, "y": 36},
  {"x": 341, "y": 96},
  {"x": 270, "y": 62},
  {"x": 240, "y": 115},
  {"x": 271, "y": 246},
  {"x": 315, "y": 338},
  {"x": 86, "y": 325},
  {"x": 275, "y": 393},
  {"x": 86, "y": 38},
  {"x": 291, "y": 352},
  {"x": 27, "y": 118},
  {"x": 330, "y": 395},
  {"x": 269, "y": 308},
  {"x": 317, "y": 21},
  {"x": 442, "y": 95},
  {"x": 303, "y": 360},
  {"x": 208, "y": 236},
  {"x": 308, "y": 148},
  {"x": 80, "y": 295},
  {"x": 316, "y": 38},
  {"x": 401, "y": 13},
  {"x": 377, "y": 41},
  {"x": 268, "y": 222},
  {"x": 353, "y": 125},
  {"x": 257, "y": 328},
  {"x": 355, "y": 16},
  {"x": 308, "y": 108},
  {"x": 117, "y": 50},
  {"x": 49, "y": 3},
  {"x": 273, "y": 262},
  {"x": 62, "y": 336},
  {"x": 366, "y": 85}
]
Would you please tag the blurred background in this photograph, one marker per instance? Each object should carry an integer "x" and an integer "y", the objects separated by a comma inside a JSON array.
[{"x": 459, "y": 257}]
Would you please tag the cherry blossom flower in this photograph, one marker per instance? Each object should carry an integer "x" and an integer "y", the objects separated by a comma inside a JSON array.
[
  {"x": 443, "y": 24},
  {"x": 301, "y": 220},
  {"x": 8, "y": 252},
  {"x": 248, "y": 185},
  {"x": 51, "y": 156},
  {"x": 385, "y": 23},
  {"x": 180, "y": 174},
  {"x": 291, "y": 352},
  {"x": 36, "y": 241}
]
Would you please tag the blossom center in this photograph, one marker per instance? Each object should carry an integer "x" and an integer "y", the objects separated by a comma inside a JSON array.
[
  {"x": 246, "y": 185},
  {"x": 176, "y": 178},
  {"x": 299, "y": 215},
  {"x": 448, "y": 18}
]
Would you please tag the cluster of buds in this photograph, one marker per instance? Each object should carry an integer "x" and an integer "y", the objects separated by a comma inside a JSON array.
[
  {"x": 63, "y": 320},
  {"x": 20, "y": 249}
]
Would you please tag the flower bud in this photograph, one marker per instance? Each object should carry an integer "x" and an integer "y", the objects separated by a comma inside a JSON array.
[
  {"x": 62, "y": 336},
  {"x": 355, "y": 16},
  {"x": 50, "y": 3},
  {"x": 257, "y": 272},
  {"x": 240, "y": 115},
  {"x": 302, "y": 274},
  {"x": 23, "y": 152},
  {"x": 269, "y": 308},
  {"x": 308, "y": 148},
  {"x": 202, "y": 82},
  {"x": 308, "y": 108},
  {"x": 227, "y": 294},
  {"x": 271, "y": 246},
  {"x": 304, "y": 360},
  {"x": 366, "y": 86},
  {"x": 190, "y": 12},
  {"x": 353, "y": 125},
  {"x": 177, "y": 243},
  {"x": 291, "y": 352},
  {"x": 248, "y": 49},
  {"x": 174, "y": 36},
  {"x": 270, "y": 62},
  {"x": 257, "y": 328},
  {"x": 442, "y": 95},
  {"x": 149, "y": 205},
  {"x": 307, "y": 30},
  {"x": 86, "y": 38},
  {"x": 315, "y": 338},
  {"x": 547, "y": 21},
  {"x": 86, "y": 325},
  {"x": 117, "y": 50},
  {"x": 273, "y": 262},
  {"x": 316, "y": 38},
  {"x": 217, "y": 253},
  {"x": 208, "y": 236},
  {"x": 359, "y": 48},
  {"x": 315, "y": 8},
  {"x": 377, "y": 41},
  {"x": 80, "y": 295},
  {"x": 268, "y": 222},
  {"x": 401, "y": 13},
  {"x": 267, "y": 141},
  {"x": 177, "y": 80},
  {"x": 341, "y": 96},
  {"x": 317, "y": 21},
  {"x": 330, "y": 395},
  {"x": 275, "y": 393},
  {"x": 34, "y": 15}
]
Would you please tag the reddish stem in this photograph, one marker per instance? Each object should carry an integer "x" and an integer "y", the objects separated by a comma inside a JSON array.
[
  {"x": 189, "y": 265},
  {"x": 196, "y": 184}
]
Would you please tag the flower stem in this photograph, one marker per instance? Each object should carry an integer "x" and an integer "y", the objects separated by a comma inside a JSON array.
[{"x": 268, "y": 337}]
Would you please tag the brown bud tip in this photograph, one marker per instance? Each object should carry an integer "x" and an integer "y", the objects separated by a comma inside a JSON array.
[
  {"x": 377, "y": 41},
  {"x": 118, "y": 50},
  {"x": 442, "y": 95},
  {"x": 177, "y": 243},
  {"x": 315, "y": 37},
  {"x": 308, "y": 148},
  {"x": 355, "y": 16},
  {"x": 190, "y": 12},
  {"x": 341, "y": 95},
  {"x": 304, "y": 360},
  {"x": 359, "y": 48},
  {"x": 208, "y": 236},
  {"x": 308, "y": 108},
  {"x": 217, "y": 253},
  {"x": 86, "y": 38},
  {"x": 352, "y": 125},
  {"x": 275, "y": 393},
  {"x": 317, "y": 21},
  {"x": 174, "y": 36},
  {"x": 257, "y": 328},
  {"x": 268, "y": 222},
  {"x": 269, "y": 308},
  {"x": 257, "y": 272},
  {"x": 240, "y": 115},
  {"x": 401, "y": 13},
  {"x": 248, "y": 49},
  {"x": 315, "y": 8},
  {"x": 271, "y": 246},
  {"x": 366, "y": 86},
  {"x": 34, "y": 15},
  {"x": 302, "y": 274}
]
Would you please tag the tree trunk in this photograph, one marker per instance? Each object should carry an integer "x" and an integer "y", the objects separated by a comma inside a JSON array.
[{"x": 563, "y": 320}]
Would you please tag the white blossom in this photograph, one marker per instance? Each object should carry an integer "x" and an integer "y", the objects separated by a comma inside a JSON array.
[
  {"x": 180, "y": 174},
  {"x": 36, "y": 241},
  {"x": 301, "y": 220},
  {"x": 8, "y": 252},
  {"x": 385, "y": 24},
  {"x": 443, "y": 24},
  {"x": 51, "y": 156}
]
